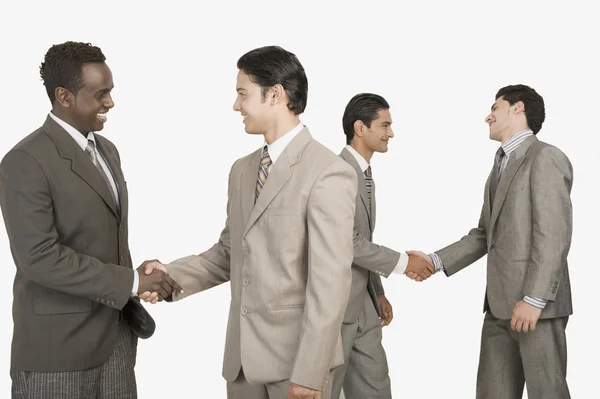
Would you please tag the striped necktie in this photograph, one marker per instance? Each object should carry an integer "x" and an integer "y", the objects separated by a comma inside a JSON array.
[
  {"x": 263, "y": 171},
  {"x": 369, "y": 182},
  {"x": 91, "y": 151}
]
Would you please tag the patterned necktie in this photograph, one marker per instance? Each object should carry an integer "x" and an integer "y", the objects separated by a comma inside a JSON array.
[
  {"x": 369, "y": 182},
  {"x": 496, "y": 174},
  {"x": 91, "y": 151},
  {"x": 263, "y": 171}
]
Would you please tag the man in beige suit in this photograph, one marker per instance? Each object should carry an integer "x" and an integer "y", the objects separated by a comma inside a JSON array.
[
  {"x": 525, "y": 229},
  {"x": 367, "y": 124},
  {"x": 287, "y": 243}
]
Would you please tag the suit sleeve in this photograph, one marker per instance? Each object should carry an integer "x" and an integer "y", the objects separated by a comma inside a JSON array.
[
  {"x": 330, "y": 220},
  {"x": 466, "y": 251},
  {"x": 552, "y": 218},
  {"x": 373, "y": 257},
  {"x": 196, "y": 273},
  {"x": 26, "y": 201}
]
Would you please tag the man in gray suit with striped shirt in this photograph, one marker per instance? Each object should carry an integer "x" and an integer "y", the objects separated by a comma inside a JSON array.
[{"x": 525, "y": 229}]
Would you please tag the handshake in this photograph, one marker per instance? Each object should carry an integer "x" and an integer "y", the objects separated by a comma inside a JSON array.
[
  {"x": 420, "y": 266},
  {"x": 154, "y": 282}
]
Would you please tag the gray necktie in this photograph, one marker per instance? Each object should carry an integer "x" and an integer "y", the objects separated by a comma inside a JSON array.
[
  {"x": 496, "y": 174},
  {"x": 369, "y": 182},
  {"x": 91, "y": 151}
]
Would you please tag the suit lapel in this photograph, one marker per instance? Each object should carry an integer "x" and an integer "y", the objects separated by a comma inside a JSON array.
[
  {"x": 280, "y": 174},
  {"x": 81, "y": 164},
  {"x": 362, "y": 185},
  {"x": 514, "y": 162},
  {"x": 117, "y": 174},
  {"x": 373, "y": 208},
  {"x": 248, "y": 185}
]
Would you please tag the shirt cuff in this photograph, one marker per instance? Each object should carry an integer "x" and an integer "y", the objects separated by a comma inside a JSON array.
[
  {"x": 437, "y": 262},
  {"x": 402, "y": 264},
  {"x": 538, "y": 303},
  {"x": 136, "y": 283}
]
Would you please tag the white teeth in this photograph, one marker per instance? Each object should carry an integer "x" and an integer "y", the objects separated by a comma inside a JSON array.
[{"x": 101, "y": 116}]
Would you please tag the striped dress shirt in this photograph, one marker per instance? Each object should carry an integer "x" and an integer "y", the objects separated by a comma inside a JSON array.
[{"x": 509, "y": 147}]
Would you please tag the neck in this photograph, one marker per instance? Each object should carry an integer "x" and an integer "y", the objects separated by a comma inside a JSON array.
[
  {"x": 362, "y": 150},
  {"x": 511, "y": 133},
  {"x": 67, "y": 119},
  {"x": 281, "y": 127}
]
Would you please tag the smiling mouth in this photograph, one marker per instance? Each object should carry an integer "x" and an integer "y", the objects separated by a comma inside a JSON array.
[{"x": 101, "y": 116}]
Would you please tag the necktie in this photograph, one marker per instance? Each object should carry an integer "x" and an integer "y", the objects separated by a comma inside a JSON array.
[
  {"x": 263, "y": 171},
  {"x": 496, "y": 174},
  {"x": 369, "y": 182},
  {"x": 91, "y": 151}
]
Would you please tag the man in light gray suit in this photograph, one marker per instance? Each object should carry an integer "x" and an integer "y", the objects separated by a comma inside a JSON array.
[
  {"x": 367, "y": 124},
  {"x": 525, "y": 229},
  {"x": 287, "y": 243}
]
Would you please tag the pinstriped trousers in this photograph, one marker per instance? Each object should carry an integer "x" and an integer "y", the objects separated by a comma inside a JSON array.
[{"x": 115, "y": 379}]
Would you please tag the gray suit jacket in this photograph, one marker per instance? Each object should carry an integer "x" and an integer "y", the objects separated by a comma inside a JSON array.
[
  {"x": 527, "y": 233},
  {"x": 288, "y": 258},
  {"x": 69, "y": 244},
  {"x": 370, "y": 260}
]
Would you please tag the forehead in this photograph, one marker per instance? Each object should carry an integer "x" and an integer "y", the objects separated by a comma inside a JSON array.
[
  {"x": 499, "y": 102},
  {"x": 96, "y": 75},
  {"x": 383, "y": 115},
  {"x": 243, "y": 81}
]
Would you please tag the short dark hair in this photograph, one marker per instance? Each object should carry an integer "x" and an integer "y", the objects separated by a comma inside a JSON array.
[
  {"x": 271, "y": 65},
  {"x": 63, "y": 63},
  {"x": 362, "y": 107},
  {"x": 534, "y": 104}
]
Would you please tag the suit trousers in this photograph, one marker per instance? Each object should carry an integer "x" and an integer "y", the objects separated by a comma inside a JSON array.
[
  {"x": 508, "y": 360},
  {"x": 242, "y": 389},
  {"x": 365, "y": 372},
  {"x": 115, "y": 379}
]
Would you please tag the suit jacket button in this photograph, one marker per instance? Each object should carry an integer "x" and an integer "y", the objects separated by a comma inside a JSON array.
[
  {"x": 492, "y": 247},
  {"x": 245, "y": 282},
  {"x": 244, "y": 312}
]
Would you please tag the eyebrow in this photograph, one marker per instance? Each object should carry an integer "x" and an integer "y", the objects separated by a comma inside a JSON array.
[
  {"x": 493, "y": 107},
  {"x": 238, "y": 89}
]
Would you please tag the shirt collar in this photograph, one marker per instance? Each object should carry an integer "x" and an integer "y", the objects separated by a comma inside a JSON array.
[
  {"x": 78, "y": 137},
  {"x": 362, "y": 163},
  {"x": 276, "y": 148},
  {"x": 515, "y": 141}
]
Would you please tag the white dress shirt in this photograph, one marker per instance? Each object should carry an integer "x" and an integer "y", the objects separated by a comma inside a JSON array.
[
  {"x": 83, "y": 142},
  {"x": 276, "y": 148},
  {"x": 363, "y": 164}
]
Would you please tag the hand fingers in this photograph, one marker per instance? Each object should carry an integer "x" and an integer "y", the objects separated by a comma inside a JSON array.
[
  {"x": 519, "y": 326},
  {"x": 526, "y": 327},
  {"x": 533, "y": 324},
  {"x": 431, "y": 268},
  {"x": 151, "y": 265},
  {"x": 513, "y": 322}
]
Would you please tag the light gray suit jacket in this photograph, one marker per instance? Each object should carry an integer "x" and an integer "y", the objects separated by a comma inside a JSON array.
[
  {"x": 288, "y": 258},
  {"x": 526, "y": 234},
  {"x": 370, "y": 260}
]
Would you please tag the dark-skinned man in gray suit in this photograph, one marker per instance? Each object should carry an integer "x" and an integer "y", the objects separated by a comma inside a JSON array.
[{"x": 64, "y": 202}]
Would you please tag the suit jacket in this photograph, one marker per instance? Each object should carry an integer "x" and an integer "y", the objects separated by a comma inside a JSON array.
[
  {"x": 370, "y": 260},
  {"x": 288, "y": 258},
  {"x": 526, "y": 234},
  {"x": 69, "y": 244}
]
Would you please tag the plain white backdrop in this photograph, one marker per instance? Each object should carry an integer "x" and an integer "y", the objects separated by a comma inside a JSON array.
[{"x": 438, "y": 63}]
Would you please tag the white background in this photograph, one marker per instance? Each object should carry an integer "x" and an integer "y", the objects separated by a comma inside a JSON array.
[{"x": 438, "y": 63}]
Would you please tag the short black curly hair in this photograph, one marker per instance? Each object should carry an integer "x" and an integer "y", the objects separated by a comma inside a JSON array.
[
  {"x": 63, "y": 63},
  {"x": 535, "y": 111}
]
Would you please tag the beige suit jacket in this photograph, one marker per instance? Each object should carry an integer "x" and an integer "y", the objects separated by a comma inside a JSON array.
[{"x": 289, "y": 259}]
